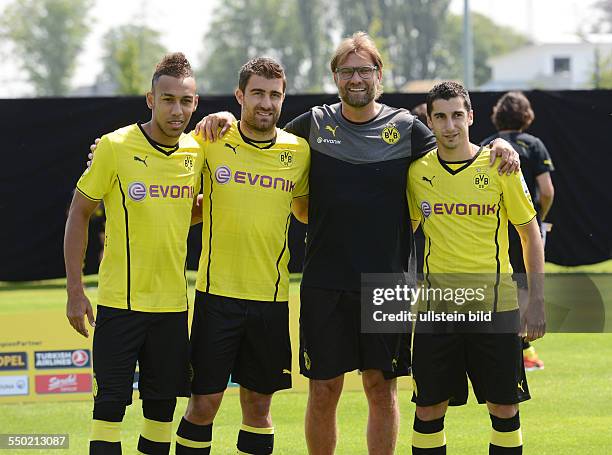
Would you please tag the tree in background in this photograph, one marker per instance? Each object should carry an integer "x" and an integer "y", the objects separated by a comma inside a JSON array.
[
  {"x": 602, "y": 73},
  {"x": 290, "y": 31},
  {"x": 48, "y": 36},
  {"x": 130, "y": 51},
  {"x": 405, "y": 31},
  {"x": 490, "y": 40},
  {"x": 417, "y": 38}
]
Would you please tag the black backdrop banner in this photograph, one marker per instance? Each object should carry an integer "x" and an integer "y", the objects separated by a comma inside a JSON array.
[{"x": 46, "y": 142}]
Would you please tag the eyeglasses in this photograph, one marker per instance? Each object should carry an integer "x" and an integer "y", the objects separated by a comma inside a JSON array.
[{"x": 346, "y": 72}]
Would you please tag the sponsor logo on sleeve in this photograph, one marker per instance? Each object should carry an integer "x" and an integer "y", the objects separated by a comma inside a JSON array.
[
  {"x": 78, "y": 358},
  {"x": 13, "y": 385},
  {"x": 13, "y": 361},
  {"x": 63, "y": 383}
]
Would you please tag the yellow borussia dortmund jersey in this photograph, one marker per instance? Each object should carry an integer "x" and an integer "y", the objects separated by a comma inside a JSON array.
[
  {"x": 148, "y": 192},
  {"x": 248, "y": 191},
  {"x": 464, "y": 209}
]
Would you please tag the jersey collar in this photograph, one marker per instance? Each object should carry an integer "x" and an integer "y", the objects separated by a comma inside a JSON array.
[
  {"x": 466, "y": 163},
  {"x": 165, "y": 149}
]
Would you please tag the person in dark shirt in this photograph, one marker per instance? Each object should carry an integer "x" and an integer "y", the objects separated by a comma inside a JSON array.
[
  {"x": 358, "y": 222},
  {"x": 512, "y": 115}
]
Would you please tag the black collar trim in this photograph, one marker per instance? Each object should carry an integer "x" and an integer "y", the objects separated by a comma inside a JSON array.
[
  {"x": 262, "y": 145},
  {"x": 466, "y": 163},
  {"x": 165, "y": 149}
]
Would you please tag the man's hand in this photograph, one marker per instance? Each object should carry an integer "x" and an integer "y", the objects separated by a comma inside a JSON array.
[
  {"x": 533, "y": 322},
  {"x": 209, "y": 125},
  {"x": 77, "y": 307},
  {"x": 510, "y": 161},
  {"x": 93, "y": 148}
]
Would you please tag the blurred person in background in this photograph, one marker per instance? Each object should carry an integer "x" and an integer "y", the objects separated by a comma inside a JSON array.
[{"x": 512, "y": 115}]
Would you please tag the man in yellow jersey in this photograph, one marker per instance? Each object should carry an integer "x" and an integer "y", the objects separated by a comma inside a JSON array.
[
  {"x": 451, "y": 189},
  {"x": 147, "y": 175},
  {"x": 252, "y": 180}
]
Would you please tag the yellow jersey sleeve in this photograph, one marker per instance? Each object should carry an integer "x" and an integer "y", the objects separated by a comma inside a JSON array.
[
  {"x": 415, "y": 211},
  {"x": 301, "y": 185},
  {"x": 517, "y": 200},
  {"x": 98, "y": 179}
]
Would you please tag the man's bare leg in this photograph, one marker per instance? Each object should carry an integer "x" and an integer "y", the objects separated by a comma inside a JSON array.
[
  {"x": 321, "y": 428},
  {"x": 383, "y": 416}
]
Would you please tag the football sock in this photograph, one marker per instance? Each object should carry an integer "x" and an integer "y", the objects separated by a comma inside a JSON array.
[
  {"x": 157, "y": 428},
  {"x": 105, "y": 438},
  {"x": 255, "y": 441},
  {"x": 192, "y": 439},
  {"x": 506, "y": 436},
  {"x": 428, "y": 438}
]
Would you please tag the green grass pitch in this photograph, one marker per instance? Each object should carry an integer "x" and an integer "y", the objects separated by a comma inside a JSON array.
[{"x": 570, "y": 413}]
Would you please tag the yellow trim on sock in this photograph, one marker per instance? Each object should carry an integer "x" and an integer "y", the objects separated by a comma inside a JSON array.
[
  {"x": 193, "y": 444},
  {"x": 156, "y": 431},
  {"x": 101, "y": 430},
  {"x": 428, "y": 440},
  {"x": 257, "y": 430},
  {"x": 507, "y": 439}
]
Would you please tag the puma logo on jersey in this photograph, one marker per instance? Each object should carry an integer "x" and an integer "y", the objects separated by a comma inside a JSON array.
[
  {"x": 430, "y": 181},
  {"x": 332, "y": 130},
  {"x": 137, "y": 158},
  {"x": 233, "y": 148},
  {"x": 520, "y": 386},
  {"x": 286, "y": 371}
]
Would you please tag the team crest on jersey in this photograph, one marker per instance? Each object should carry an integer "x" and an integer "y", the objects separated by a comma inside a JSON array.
[
  {"x": 188, "y": 163},
  {"x": 286, "y": 158},
  {"x": 94, "y": 386},
  {"x": 390, "y": 134},
  {"x": 481, "y": 180}
]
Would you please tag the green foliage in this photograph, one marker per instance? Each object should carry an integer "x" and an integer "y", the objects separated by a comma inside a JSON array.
[
  {"x": 602, "y": 75},
  {"x": 47, "y": 35},
  {"x": 287, "y": 30},
  {"x": 490, "y": 40},
  {"x": 130, "y": 55},
  {"x": 405, "y": 31}
]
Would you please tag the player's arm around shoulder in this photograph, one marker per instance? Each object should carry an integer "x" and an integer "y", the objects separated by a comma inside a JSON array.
[{"x": 299, "y": 204}]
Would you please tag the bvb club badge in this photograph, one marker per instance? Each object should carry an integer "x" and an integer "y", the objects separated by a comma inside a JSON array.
[
  {"x": 390, "y": 134},
  {"x": 286, "y": 158},
  {"x": 481, "y": 180}
]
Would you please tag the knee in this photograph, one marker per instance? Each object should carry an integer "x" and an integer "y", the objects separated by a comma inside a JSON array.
[
  {"x": 324, "y": 394},
  {"x": 159, "y": 410},
  {"x": 109, "y": 411},
  {"x": 381, "y": 393},
  {"x": 429, "y": 413},
  {"x": 201, "y": 409},
  {"x": 503, "y": 411},
  {"x": 255, "y": 405}
]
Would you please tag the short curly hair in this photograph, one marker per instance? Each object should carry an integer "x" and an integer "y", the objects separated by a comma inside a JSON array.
[
  {"x": 265, "y": 67},
  {"x": 445, "y": 91},
  {"x": 512, "y": 112},
  {"x": 175, "y": 65}
]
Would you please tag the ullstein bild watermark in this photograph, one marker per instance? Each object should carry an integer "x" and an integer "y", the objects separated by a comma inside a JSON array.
[{"x": 481, "y": 303}]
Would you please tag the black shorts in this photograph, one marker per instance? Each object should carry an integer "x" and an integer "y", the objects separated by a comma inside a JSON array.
[
  {"x": 246, "y": 339},
  {"x": 158, "y": 341},
  {"x": 441, "y": 364},
  {"x": 331, "y": 342}
]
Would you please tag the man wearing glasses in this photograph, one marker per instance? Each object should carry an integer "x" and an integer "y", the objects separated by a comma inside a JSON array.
[{"x": 358, "y": 222}]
